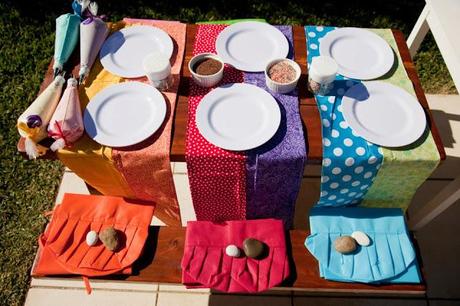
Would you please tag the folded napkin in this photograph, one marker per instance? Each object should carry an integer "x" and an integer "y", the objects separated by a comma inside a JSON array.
[
  {"x": 390, "y": 258},
  {"x": 66, "y": 125},
  {"x": 63, "y": 245},
  {"x": 354, "y": 170},
  {"x": 217, "y": 176},
  {"x": 33, "y": 123},
  {"x": 205, "y": 263}
]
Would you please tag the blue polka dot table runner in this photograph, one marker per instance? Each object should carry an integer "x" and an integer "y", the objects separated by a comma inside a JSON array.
[
  {"x": 355, "y": 171},
  {"x": 350, "y": 163}
]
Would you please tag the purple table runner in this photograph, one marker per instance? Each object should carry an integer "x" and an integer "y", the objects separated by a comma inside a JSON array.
[{"x": 274, "y": 170}]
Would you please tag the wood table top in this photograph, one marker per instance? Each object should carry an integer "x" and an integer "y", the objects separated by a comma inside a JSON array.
[
  {"x": 161, "y": 263},
  {"x": 308, "y": 108}
]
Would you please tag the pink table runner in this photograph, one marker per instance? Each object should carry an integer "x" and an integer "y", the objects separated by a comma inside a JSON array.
[
  {"x": 217, "y": 177},
  {"x": 146, "y": 166}
]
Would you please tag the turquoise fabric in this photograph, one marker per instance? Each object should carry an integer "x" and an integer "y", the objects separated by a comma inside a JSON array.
[
  {"x": 67, "y": 34},
  {"x": 350, "y": 163},
  {"x": 390, "y": 258}
]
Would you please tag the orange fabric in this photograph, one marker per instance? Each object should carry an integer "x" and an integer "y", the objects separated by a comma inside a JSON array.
[
  {"x": 93, "y": 163},
  {"x": 142, "y": 171},
  {"x": 63, "y": 245},
  {"x": 87, "y": 285},
  {"x": 146, "y": 166},
  {"x": 88, "y": 159}
]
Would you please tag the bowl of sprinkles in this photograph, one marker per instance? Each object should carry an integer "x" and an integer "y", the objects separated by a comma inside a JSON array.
[
  {"x": 282, "y": 75},
  {"x": 207, "y": 69}
]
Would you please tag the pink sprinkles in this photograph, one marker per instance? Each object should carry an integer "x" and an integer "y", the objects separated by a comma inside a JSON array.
[{"x": 282, "y": 72}]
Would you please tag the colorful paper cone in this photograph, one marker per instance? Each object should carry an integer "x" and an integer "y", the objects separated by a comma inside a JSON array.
[
  {"x": 93, "y": 32},
  {"x": 67, "y": 29},
  {"x": 33, "y": 122},
  {"x": 66, "y": 125}
]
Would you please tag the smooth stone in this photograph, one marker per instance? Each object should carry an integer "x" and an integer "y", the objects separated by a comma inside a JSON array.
[
  {"x": 91, "y": 238},
  {"x": 232, "y": 250},
  {"x": 109, "y": 238},
  {"x": 361, "y": 238},
  {"x": 345, "y": 244},
  {"x": 253, "y": 248}
]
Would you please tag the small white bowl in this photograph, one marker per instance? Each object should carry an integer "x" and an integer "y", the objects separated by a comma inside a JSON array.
[
  {"x": 206, "y": 80},
  {"x": 282, "y": 87}
]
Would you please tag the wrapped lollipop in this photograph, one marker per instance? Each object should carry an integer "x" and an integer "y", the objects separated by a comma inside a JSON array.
[
  {"x": 67, "y": 31},
  {"x": 33, "y": 122},
  {"x": 93, "y": 32},
  {"x": 66, "y": 124}
]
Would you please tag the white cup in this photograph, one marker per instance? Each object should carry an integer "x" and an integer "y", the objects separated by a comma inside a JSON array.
[{"x": 157, "y": 68}]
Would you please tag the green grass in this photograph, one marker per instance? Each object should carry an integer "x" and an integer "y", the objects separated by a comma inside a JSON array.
[{"x": 27, "y": 34}]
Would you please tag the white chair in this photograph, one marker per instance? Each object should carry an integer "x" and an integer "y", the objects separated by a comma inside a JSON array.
[{"x": 442, "y": 17}]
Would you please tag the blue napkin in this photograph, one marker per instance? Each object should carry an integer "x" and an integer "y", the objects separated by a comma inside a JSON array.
[
  {"x": 390, "y": 258},
  {"x": 350, "y": 163}
]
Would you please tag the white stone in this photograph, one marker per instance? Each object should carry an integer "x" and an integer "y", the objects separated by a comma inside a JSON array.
[
  {"x": 232, "y": 250},
  {"x": 361, "y": 238},
  {"x": 91, "y": 238}
]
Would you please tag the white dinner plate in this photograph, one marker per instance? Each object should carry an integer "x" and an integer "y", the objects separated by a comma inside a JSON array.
[
  {"x": 123, "y": 52},
  {"x": 124, "y": 114},
  {"x": 238, "y": 117},
  {"x": 250, "y": 45},
  {"x": 383, "y": 114},
  {"x": 360, "y": 54}
]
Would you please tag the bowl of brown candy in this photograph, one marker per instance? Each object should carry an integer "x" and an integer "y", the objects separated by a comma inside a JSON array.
[
  {"x": 282, "y": 75},
  {"x": 207, "y": 69}
]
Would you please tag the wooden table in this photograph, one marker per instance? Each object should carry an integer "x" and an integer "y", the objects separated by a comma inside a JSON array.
[
  {"x": 160, "y": 262},
  {"x": 308, "y": 108}
]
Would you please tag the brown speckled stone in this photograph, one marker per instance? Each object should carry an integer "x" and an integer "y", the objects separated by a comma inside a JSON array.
[
  {"x": 253, "y": 248},
  {"x": 109, "y": 238},
  {"x": 345, "y": 244}
]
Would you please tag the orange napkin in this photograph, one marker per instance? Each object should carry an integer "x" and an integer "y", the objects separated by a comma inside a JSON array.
[{"x": 63, "y": 245}]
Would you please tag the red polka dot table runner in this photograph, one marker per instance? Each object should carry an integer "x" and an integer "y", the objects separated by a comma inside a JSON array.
[
  {"x": 259, "y": 183},
  {"x": 217, "y": 177}
]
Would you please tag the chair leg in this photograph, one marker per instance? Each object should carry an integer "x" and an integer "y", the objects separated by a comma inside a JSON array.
[
  {"x": 418, "y": 32},
  {"x": 442, "y": 201}
]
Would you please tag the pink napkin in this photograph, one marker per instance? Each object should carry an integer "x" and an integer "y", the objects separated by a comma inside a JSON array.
[
  {"x": 205, "y": 263},
  {"x": 66, "y": 124}
]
